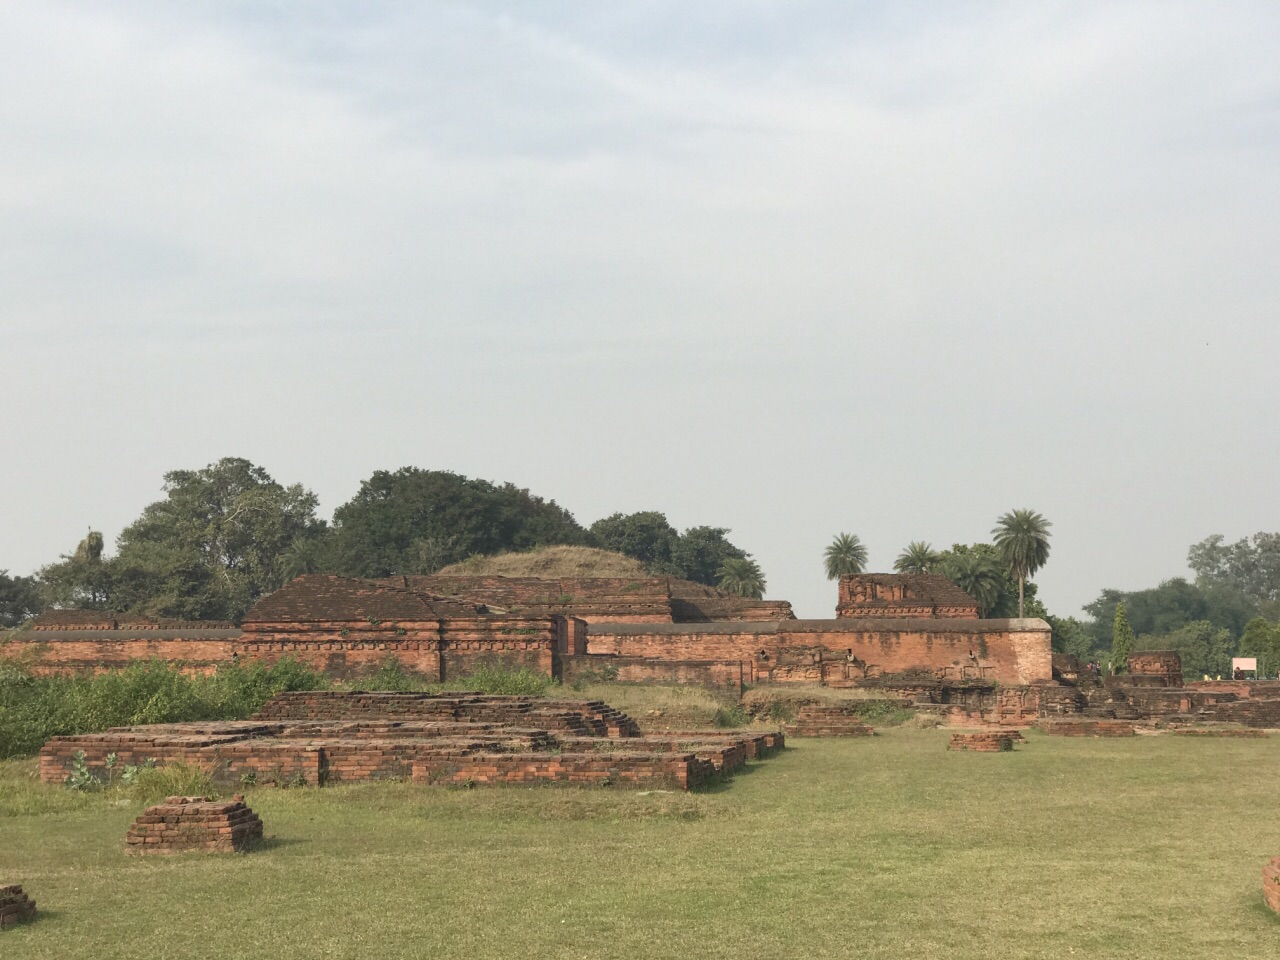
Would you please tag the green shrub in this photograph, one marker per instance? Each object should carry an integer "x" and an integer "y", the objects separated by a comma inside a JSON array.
[
  {"x": 391, "y": 678},
  {"x": 731, "y": 716},
  {"x": 495, "y": 679},
  {"x": 33, "y": 709}
]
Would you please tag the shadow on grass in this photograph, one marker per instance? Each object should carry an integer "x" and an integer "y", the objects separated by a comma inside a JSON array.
[{"x": 725, "y": 782}]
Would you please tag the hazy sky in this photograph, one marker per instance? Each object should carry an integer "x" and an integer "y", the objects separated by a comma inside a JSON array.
[{"x": 788, "y": 268}]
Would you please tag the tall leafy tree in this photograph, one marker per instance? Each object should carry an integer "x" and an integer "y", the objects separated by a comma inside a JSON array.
[
  {"x": 1250, "y": 567},
  {"x": 83, "y": 579},
  {"x": 918, "y": 557},
  {"x": 1169, "y": 607},
  {"x": 214, "y": 544},
  {"x": 19, "y": 599},
  {"x": 742, "y": 577},
  {"x": 845, "y": 555},
  {"x": 416, "y": 521},
  {"x": 1261, "y": 639},
  {"x": 1122, "y": 641},
  {"x": 646, "y": 536},
  {"x": 700, "y": 552},
  {"x": 1022, "y": 537}
]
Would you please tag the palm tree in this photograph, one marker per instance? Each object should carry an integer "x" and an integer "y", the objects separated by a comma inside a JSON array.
[
  {"x": 978, "y": 575},
  {"x": 1022, "y": 537},
  {"x": 742, "y": 577},
  {"x": 846, "y": 555},
  {"x": 919, "y": 557}
]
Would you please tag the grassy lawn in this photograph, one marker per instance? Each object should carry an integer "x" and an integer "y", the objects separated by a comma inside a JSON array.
[{"x": 892, "y": 847}]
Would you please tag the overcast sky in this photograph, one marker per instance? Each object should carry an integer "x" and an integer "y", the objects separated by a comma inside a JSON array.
[{"x": 788, "y": 268}]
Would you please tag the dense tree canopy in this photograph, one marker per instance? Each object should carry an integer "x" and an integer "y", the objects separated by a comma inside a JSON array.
[
  {"x": 19, "y": 599},
  {"x": 742, "y": 577},
  {"x": 697, "y": 554},
  {"x": 1249, "y": 567},
  {"x": 980, "y": 571},
  {"x": 917, "y": 557},
  {"x": 417, "y": 521},
  {"x": 1203, "y": 648},
  {"x": 1169, "y": 607}
]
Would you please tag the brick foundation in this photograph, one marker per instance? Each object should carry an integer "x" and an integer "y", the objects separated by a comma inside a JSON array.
[
  {"x": 15, "y": 906},
  {"x": 827, "y": 720},
  {"x": 986, "y": 742},
  {"x": 1087, "y": 728},
  {"x": 320, "y": 738}
]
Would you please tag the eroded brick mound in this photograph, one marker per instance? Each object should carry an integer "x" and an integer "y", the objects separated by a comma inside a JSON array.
[
  {"x": 15, "y": 906},
  {"x": 1271, "y": 884},
  {"x": 451, "y": 739},
  {"x": 986, "y": 742},
  {"x": 1087, "y": 728},
  {"x": 181, "y": 824},
  {"x": 827, "y": 720}
]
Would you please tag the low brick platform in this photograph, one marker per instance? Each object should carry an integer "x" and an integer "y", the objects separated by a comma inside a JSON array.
[
  {"x": 580, "y": 743},
  {"x": 1228, "y": 732},
  {"x": 1271, "y": 884},
  {"x": 15, "y": 906},
  {"x": 827, "y": 720},
  {"x": 183, "y": 824},
  {"x": 986, "y": 742},
  {"x": 1087, "y": 728}
]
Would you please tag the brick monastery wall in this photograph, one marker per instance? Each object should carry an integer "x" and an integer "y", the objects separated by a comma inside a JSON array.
[
  {"x": 1007, "y": 651},
  {"x": 727, "y": 675}
]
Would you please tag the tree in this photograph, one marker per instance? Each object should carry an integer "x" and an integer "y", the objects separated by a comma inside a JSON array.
[
  {"x": 1202, "y": 647},
  {"x": 1070, "y": 636},
  {"x": 1022, "y": 537},
  {"x": 697, "y": 554},
  {"x": 416, "y": 521},
  {"x": 1170, "y": 606},
  {"x": 700, "y": 552},
  {"x": 1122, "y": 641},
  {"x": 1261, "y": 639},
  {"x": 213, "y": 545},
  {"x": 918, "y": 557},
  {"x": 978, "y": 573},
  {"x": 845, "y": 556},
  {"x": 82, "y": 579},
  {"x": 19, "y": 599},
  {"x": 1250, "y": 566},
  {"x": 742, "y": 577}
]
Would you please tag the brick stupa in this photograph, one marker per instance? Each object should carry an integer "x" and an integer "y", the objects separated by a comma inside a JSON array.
[
  {"x": 15, "y": 906},
  {"x": 181, "y": 824}
]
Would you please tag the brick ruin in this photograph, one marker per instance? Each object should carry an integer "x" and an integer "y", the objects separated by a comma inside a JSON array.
[
  {"x": 323, "y": 738},
  {"x": 184, "y": 824},
  {"x": 15, "y": 906},
  {"x": 993, "y": 741},
  {"x": 827, "y": 720},
  {"x": 1271, "y": 884},
  {"x": 911, "y": 636}
]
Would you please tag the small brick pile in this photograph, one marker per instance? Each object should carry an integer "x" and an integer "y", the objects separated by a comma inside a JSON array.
[
  {"x": 194, "y": 823},
  {"x": 827, "y": 720},
  {"x": 1271, "y": 884},
  {"x": 1087, "y": 728},
  {"x": 15, "y": 906},
  {"x": 991, "y": 741}
]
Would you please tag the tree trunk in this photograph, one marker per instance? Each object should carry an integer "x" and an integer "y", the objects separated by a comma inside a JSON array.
[{"x": 1020, "y": 580}]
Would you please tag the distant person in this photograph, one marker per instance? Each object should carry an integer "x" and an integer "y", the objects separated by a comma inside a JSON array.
[{"x": 1238, "y": 675}]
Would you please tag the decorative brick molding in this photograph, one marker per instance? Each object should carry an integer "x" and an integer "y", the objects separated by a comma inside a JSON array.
[
  {"x": 1271, "y": 884},
  {"x": 987, "y": 742},
  {"x": 15, "y": 906},
  {"x": 183, "y": 824}
]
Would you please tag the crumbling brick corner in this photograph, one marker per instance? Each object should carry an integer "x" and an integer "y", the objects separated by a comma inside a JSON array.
[
  {"x": 998, "y": 741},
  {"x": 15, "y": 906}
]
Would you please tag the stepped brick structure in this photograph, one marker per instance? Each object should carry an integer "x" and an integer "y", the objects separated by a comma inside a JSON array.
[
  {"x": 827, "y": 720},
  {"x": 15, "y": 906},
  {"x": 320, "y": 738},
  {"x": 183, "y": 824},
  {"x": 915, "y": 596},
  {"x": 1087, "y": 728}
]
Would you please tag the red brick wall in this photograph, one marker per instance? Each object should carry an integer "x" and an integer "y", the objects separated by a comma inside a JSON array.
[
  {"x": 1011, "y": 652},
  {"x": 727, "y": 675}
]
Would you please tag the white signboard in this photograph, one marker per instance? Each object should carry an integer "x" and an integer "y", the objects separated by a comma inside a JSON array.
[{"x": 1244, "y": 663}]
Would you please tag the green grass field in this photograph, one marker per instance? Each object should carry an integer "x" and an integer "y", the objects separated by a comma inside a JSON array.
[{"x": 891, "y": 847}]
